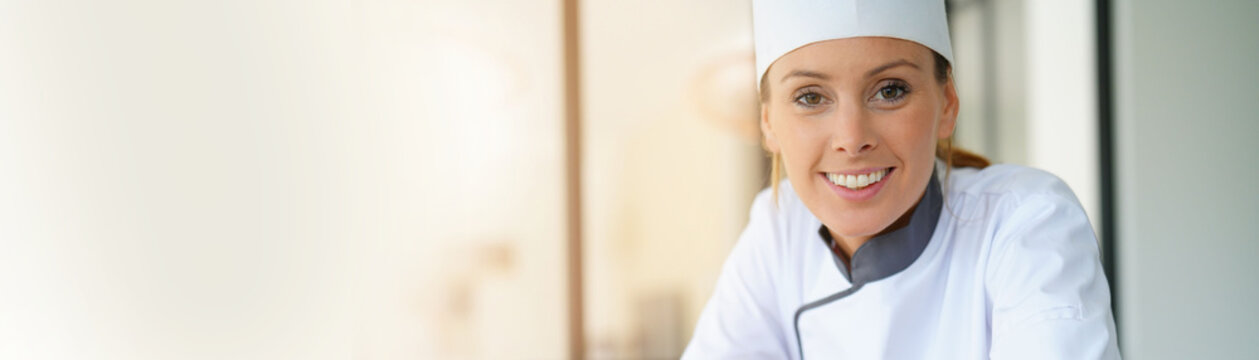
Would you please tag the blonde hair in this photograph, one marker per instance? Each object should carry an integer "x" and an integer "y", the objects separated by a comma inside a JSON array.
[{"x": 951, "y": 155}]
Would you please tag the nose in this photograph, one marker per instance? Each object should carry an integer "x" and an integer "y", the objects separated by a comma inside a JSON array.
[{"x": 852, "y": 133}]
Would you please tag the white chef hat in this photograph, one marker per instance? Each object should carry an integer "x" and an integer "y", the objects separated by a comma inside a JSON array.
[{"x": 780, "y": 26}]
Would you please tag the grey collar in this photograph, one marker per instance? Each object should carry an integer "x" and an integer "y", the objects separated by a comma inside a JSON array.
[{"x": 888, "y": 254}]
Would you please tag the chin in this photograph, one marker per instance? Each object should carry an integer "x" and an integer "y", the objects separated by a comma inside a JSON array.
[{"x": 861, "y": 223}]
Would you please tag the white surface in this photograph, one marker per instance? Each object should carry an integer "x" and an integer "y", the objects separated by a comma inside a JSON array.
[
  {"x": 1186, "y": 101},
  {"x": 781, "y": 26},
  {"x": 1011, "y": 272}
]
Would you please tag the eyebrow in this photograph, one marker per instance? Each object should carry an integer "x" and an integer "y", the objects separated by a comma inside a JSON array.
[
  {"x": 885, "y": 67},
  {"x": 806, "y": 73},
  {"x": 873, "y": 72}
]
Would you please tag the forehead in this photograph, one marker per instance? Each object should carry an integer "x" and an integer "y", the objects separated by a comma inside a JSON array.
[{"x": 858, "y": 54}]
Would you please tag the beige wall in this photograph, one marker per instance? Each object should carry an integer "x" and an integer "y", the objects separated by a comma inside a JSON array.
[{"x": 280, "y": 180}]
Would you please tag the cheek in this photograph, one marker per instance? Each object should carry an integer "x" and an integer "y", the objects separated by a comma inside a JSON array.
[
  {"x": 800, "y": 142},
  {"x": 910, "y": 133}
]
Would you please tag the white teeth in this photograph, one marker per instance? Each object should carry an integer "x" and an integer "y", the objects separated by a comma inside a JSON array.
[{"x": 856, "y": 181}]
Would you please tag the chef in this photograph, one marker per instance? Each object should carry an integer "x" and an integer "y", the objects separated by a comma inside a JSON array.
[{"x": 884, "y": 241}]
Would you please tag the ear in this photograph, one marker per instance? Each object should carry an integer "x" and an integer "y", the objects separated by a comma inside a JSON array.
[
  {"x": 948, "y": 117},
  {"x": 771, "y": 144}
]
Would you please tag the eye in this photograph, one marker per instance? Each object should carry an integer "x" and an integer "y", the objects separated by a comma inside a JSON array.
[
  {"x": 811, "y": 99},
  {"x": 893, "y": 91}
]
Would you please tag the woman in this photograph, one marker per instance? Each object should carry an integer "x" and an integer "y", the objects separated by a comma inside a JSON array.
[{"x": 884, "y": 242}]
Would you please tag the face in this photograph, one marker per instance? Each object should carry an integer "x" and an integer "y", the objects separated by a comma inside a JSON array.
[{"x": 856, "y": 122}]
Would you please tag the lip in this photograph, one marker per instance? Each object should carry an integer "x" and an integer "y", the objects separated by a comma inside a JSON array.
[
  {"x": 865, "y": 193},
  {"x": 860, "y": 171}
]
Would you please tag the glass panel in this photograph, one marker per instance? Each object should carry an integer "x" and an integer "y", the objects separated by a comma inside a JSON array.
[
  {"x": 672, "y": 161},
  {"x": 471, "y": 137}
]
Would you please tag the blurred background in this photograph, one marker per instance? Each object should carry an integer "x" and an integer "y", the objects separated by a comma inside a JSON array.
[{"x": 489, "y": 179}]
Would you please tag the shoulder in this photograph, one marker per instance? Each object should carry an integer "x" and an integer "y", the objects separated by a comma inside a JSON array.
[
  {"x": 1041, "y": 266},
  {"x": 1016, "y": 205},
  {"x": 779, "y": 221},
  {"x": 1028, "y": 214},
  {"x": 1014, "y": 182}
]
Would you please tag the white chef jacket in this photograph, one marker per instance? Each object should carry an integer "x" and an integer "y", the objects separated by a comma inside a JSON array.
[{"x": 997, "y": 263}]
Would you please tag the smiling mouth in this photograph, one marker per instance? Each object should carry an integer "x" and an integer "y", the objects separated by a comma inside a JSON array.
[{"x": 857, "y": 182}]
